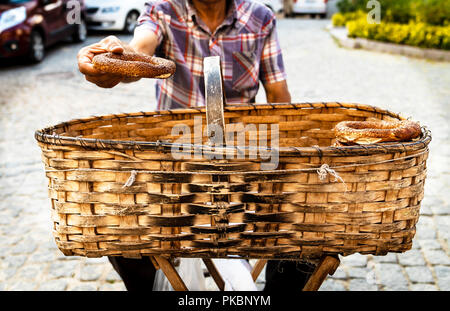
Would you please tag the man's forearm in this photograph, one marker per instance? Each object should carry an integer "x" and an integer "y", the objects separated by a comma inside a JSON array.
[{"x": 144, "y": 41}]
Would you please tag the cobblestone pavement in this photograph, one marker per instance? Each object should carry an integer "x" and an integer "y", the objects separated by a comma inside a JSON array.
[{"x": 33, "y": 97}]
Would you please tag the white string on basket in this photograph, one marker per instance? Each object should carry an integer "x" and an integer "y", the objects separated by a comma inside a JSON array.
[
  {"x": 322, "y": 171},
  {"x": 130, "y": 180},
  {"x": 325, "y": 169}
]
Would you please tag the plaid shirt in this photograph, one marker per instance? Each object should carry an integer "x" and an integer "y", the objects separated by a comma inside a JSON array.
[{"x": 246, "y": 41}]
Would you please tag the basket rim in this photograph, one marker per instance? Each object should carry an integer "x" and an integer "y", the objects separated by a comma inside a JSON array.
[{"x": 43, "y": 135}]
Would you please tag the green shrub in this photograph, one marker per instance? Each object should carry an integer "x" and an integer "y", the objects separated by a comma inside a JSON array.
[
  {"x": 397, "y": 11},
  {"x": 345, "y": 6},
  {"x": 435, "y": 12},
  {"x": 415, "y": 34}
]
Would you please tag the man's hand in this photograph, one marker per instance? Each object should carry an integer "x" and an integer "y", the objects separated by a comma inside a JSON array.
[
  {"x": 277, "y": 92},
  {"x": 86, "y": 54}
]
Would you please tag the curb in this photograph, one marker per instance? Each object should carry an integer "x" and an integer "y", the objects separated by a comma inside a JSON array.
[{"x": 340, "y": 34}]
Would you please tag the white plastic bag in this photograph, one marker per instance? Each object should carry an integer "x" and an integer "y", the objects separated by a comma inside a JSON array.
[
  {"x": 190, "y": 271},
  {"x": 236, "y": 274}
]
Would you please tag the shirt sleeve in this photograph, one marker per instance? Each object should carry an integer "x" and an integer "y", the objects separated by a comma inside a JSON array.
[
  {"x": 272, "y": 66},
  {"x": 150, "y": 19}
]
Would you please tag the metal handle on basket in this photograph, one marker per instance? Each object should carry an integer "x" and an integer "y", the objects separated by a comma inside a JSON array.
[{"x": 214, "y": 98}]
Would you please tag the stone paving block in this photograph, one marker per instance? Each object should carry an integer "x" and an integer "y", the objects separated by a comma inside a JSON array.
[
  {"x": 361, "y": 285},
  {"x": 113, "y": 276},
  {"x": 112, "y": 287},
  {"x": 356, "y": 272},
  {"x": 443, "y": 275},
  {"x": 411, "y": 258},
  {"x": 25, "y": 247},
  {"x": 87, "y": 287},
  {"x": 41, "y": 257},
  {"x": 425, "y": 228},
  {"x": 389, "y": 257},
  {"x": 6, "y": 220},
  {"x": 423, "y": 287},
  {"x": 96, "y": 260},
  {"x": 60, "y": 269},
  {"x": 437, "y": 257},
  {"x": 443, "y": 209},
  {"x": 4, "y": 251},
  {"x": 12, "y": 240},
  {"x": 54, "y": 285},
  {"x": 332, "y": 285},
  {"x": 340, "y": 273},
  {"x": 432, "y": 200},
  {"x": 419, "y": 274},
  {"x": 91, "y": 272},
  {"x": 21, "y": 286},
  {"x": 14, "y": 211},
  {"x": 390, "y": 276},
  {"x": 19, "y": 230},
  {"x": 30, "y": 272},
  {"x": 15, "y": 261},
  {"x": 50, "y": 245},
  {"x": 415, "y": 244},
  {"x": 396, "y": 287},
  {"x": 425, "y": 210},
  {"x": 443, "y": 226},
  {"x": 355, "y": 260},
  {"x": 428, "y": 244},
  {"x": 8, "y": 273},
  {"x": 443, "y": 220},
  {"x": 426, "y": 232}
]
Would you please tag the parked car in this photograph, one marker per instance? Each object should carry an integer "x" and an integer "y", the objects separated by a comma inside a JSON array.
[
  {"x": 27, "y": 27},
  {"x": 113, "y": 14},
  {"x": 312, "y": 7},
  {"x": 275, "y": 5}
]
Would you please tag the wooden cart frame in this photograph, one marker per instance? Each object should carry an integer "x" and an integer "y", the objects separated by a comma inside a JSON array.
[{"x": 326, "y": 266}]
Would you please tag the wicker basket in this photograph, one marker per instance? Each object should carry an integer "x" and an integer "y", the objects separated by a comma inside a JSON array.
[{"x": 117, "y": 189}]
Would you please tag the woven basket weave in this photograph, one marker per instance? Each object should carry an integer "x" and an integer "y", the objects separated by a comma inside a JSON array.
[{"x": 117, "y": 190}]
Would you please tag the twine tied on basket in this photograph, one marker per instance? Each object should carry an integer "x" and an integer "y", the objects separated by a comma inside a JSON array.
[
  {"x": 130, "y": 180},
  {"x": 325, "y": 169}
]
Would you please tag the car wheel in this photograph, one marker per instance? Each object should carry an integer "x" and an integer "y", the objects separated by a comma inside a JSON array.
[
  {"x": 80, "y": 34},
  {"x": 37, "y": 47},
  {"x": 131, "y": 22},
  {"x": 323, "y": 15}
]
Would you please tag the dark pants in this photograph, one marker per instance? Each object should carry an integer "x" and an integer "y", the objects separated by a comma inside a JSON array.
[
  {"x": 139, "y": 274},
  {"x": 287, "y": 275}
]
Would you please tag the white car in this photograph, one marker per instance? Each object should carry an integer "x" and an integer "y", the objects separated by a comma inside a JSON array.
[
  {"x": 113, "y": 14},
  {"x": 275, "y": 5},
  {"x": 318, "y": 7}
]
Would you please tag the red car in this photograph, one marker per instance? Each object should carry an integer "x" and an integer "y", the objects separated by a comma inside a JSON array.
[{"x": 27, "y": 27}]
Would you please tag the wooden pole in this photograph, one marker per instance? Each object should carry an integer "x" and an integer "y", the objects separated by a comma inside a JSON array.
[
  {"x": 171, "y": 274},
  {"x": 327, "y": 265},
  {"x": 214, "y": 273},
  {"x": 259, "y": 265}
]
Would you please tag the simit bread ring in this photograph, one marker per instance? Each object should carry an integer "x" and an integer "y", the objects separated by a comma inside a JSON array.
[
  {"x": 371, "y": 132},
  {"x": 134, "y": 65}
]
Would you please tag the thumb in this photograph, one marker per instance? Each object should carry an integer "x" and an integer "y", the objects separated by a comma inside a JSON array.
[
  {"x": 116, "y": 48},
  {"x": 112, "y": 44}
]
